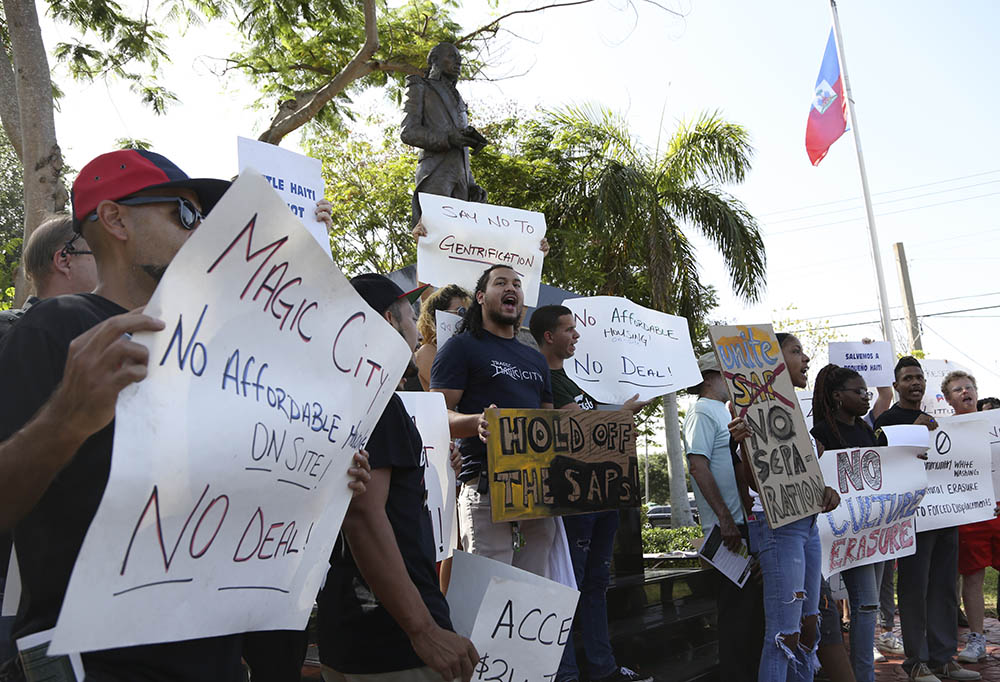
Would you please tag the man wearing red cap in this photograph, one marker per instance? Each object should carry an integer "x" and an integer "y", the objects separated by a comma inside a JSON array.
[{"x": 69, "y": 357}]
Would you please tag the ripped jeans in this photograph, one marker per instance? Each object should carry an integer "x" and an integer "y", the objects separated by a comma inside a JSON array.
[
  {"x": 790, "y": 564},
  {"x": 591, "y": 543},
  {"x": 863, "y": 595}
]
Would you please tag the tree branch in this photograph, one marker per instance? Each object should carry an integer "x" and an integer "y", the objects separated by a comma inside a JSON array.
[
  {"x": 306, "y": 106},
  {"x": 10, "y": 113},
  {"x": 492, "y": 26}
]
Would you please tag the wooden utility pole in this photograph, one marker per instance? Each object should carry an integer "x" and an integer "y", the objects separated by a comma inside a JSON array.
[{"x": 909, "y": 307}]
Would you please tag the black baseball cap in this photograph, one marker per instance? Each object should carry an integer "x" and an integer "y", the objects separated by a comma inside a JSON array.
[{"x": 380, "y": 292}]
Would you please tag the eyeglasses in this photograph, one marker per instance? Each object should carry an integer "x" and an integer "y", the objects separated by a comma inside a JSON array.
[
  {"x": 460, "y": 310},
  {"x": 69, "y": 250},
  {"x": 962, "y": 389},
  {"x": 188, "y": 214}
]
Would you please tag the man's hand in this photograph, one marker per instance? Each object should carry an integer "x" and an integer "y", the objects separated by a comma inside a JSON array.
[
  {"x": 460, "y": 138},
  {"x": 738, "y": 430},
  {"x": 484, "y": 427},
  {"x": 633, "y": 404},
  {"x": 731, "y": 537},
  {"x": 455, "y": 458},
  {"x": 831, "y": 499},
  {"x": 477, "y": 194},
  {"x": 448, "y": 654},
  {"x": 927, "y": 420},
  {"x": 543, "y": 246},
  {"x": 360, "y": 473},
  {"x": 100, "y": 363},
  {"x": 324, "y": 213},
  {"x": 419, "y": 230}
]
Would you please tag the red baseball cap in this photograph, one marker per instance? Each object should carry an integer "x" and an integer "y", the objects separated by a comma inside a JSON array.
[{"x": 121, "y": 173}]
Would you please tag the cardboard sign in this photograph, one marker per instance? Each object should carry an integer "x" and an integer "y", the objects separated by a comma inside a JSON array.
[
  {"x": 518, "y": 622},
  {"x": 554, "y": 462},
  {"x": 935, "y": 370},
  {"x": 297, "y": 178},
  {"x": 784, "y": 465},
  {"x": 873, "y": 361},
  {"x": 880, "y": 493},
  {"x": 626, "y": 349},
  {"x": 430, "y": 415},
  {"x": 229, "y": 472},
  {"x": 447, "y": 326},
  {"x": 465, "y": 238},
  {"x": 959, "y": 474}
]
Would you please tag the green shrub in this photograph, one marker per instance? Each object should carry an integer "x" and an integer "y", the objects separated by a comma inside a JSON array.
[{"x": 659, "y": 540}]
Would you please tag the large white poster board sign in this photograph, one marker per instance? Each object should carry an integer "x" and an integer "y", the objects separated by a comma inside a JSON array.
[
  {"x": 430, "y": 415},
  {"x": 464, "y": 238},
  {"x": 959, "y": 474},
  {"x": 626, "y": 349},
  {"x": 447, "y": 326},
  {"x": 297, "y": 178},
  {"x": 873, "y": 361},
  {"x": 880, "y": 493},
  {"x": 519, "y": 622},
  {"x": 935, "y": 370},
  {"x": 229, "y": 472}
]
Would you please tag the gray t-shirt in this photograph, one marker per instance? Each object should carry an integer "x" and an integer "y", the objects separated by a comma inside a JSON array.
[{"x": 707, "y": 432}]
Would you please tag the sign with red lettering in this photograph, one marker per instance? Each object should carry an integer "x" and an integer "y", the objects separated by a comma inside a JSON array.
[
  {"x": 229, "y": 471},
  {"x": 880, "y": 494}
]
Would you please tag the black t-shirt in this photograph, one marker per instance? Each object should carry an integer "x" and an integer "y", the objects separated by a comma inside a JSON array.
[
  {"x": 856, "y": 435},
  {"x": 565, "y": 391},
  {"x": 48, "y": 539},
  {"x": 356, "y": 633},
  {"x": 893, "y": 416},
  {"x": 490, "y": 370}
]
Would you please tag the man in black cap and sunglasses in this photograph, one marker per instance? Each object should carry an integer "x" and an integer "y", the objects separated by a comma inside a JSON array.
[{"x": 69, "y": 357}]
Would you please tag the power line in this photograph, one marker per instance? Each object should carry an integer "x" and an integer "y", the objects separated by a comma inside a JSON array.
[
  {"x": 895, "y": 319},
  {"x": 960, "y": 351},
  {"x": 871, "y": 310}
]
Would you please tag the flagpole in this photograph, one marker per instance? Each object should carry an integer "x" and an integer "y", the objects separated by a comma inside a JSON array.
[{"x": 883, "y": 298}]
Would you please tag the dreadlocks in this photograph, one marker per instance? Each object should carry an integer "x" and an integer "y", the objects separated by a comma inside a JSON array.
[
  {"x": 832, "y": 378},
  {"x": 473, "y": 320}
]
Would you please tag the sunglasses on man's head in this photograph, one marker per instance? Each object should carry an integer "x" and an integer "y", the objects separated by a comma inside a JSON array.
[
  {"x": 187, "y": 213},
  {"x": 69, "y": 249}
]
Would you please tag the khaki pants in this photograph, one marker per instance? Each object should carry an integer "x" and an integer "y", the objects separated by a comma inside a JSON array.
[
  {"x": 495, "y": 540},
  {"x": 424, "y": 674}
]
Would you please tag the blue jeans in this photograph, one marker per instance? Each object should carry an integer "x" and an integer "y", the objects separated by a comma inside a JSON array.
[
  {"x": 790, "y": 563},
  {"x": 591, "y": 543},
  {"x": 863, "y": 585}
]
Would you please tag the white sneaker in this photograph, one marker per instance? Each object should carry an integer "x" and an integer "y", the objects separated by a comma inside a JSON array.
[
  {"x": 953, "y": 671},
  {"x": 975, "y": 649},
  {"x": 921, "y": 673},
  {"x": 889, "y": 643},
  {"x": 877, "y": 655}
]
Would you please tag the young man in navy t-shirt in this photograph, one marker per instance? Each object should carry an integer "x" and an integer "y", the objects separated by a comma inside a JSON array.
[{"x": 486, "y": 366}]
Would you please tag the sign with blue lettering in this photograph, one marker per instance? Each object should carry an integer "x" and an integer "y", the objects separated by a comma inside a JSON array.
[
  {"x": 880, "y": 494},
  {"x": 229, "y": 474},
  {"x": 625, "y": 349}
]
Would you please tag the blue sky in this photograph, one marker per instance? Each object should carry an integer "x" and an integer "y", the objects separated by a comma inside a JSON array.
[{"x": 926, "y": 113}]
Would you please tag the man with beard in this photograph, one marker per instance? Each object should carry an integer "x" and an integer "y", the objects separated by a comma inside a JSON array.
[
  {"x": 482, "y": 366},
  {"x": 382, "y": 615},
  {"x": 928, "y": 604}
]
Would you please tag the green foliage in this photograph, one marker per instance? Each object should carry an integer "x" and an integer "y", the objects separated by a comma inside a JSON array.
[
  {"x": 815, "y": 335},
  {"x": 659, "y": 540},
  {"x": 659, "y": 477},
  {"x": 11, "y": 219}
]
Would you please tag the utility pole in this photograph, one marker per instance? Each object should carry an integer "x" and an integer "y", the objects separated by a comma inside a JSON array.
[{"x": 909, "y": 307}]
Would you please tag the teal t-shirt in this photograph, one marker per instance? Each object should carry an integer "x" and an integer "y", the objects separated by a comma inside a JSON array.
[{"x": 707, "y": 432}]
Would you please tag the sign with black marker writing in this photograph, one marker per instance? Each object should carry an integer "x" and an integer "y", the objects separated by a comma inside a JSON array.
[
  {"x": 464, "y": 238},
  {"x": 880, "y": 493},
  {"x": 430, "y": 416},
  {"x": 556, "y": 462},
  {"x": 229, "y": 478},
  {"x": 626, "y": 349},
  {"x": 873, "y": 361},
  {"x": 782, "y": 459}
]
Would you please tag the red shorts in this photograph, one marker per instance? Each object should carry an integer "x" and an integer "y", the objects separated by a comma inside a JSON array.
[{"x": 978, "y": 546}]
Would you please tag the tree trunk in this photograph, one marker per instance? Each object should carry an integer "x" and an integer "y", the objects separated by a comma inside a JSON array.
[
  {"x": 680, "y": 510},
  {"x": 41, "y": 157}
]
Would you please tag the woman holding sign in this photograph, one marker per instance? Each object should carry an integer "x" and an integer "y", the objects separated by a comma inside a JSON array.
[{"x": 790, "y": 562}]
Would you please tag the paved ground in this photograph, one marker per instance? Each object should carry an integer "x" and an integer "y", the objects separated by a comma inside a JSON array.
[{"x": 891, "y": 671}]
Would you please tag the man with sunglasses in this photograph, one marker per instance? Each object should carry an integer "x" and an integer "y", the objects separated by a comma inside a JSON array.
[{"x": 69, "y": 357}]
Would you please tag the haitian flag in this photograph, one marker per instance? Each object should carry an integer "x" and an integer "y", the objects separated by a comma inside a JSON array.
[{"x": 828, "y": 114}]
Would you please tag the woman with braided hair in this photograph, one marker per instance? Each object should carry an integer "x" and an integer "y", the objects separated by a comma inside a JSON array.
[{"x": 840, "y": 402}]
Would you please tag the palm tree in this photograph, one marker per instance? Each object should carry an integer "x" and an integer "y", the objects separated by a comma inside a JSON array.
[{"x": 618, "y": 227}]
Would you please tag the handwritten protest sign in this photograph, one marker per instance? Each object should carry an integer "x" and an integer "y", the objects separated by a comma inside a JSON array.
[
  {"x": 626, "y": 349},
  {"x": 430, "y": 415},
  {"x": 959, "y": 474},
  {"x": 464, "y": 238},
  {"x": 555, "y": 462},
  {"x": 297, "y": 178},
  {"x": 518, "y": 622},
  {"x": 447, "y": 326},
  {"x": 229, "y": 476},
  {"x": 935, "y": 370},
  {"x": 805, "y": 399},
  {"x": 873, "y": 361},
  {"x": 880, "y": 493},
  {"x": 781, "y": 455}
]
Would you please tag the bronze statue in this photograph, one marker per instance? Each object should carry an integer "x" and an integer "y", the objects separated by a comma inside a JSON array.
[{"x": 437, "y": 121}]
